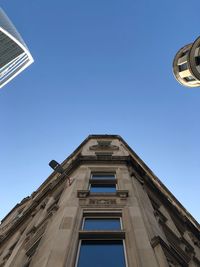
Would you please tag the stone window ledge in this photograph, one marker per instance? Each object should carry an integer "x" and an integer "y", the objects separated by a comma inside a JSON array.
[{"x": 118, "y": 193}]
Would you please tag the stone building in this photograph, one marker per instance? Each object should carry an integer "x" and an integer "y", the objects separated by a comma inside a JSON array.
[{"x": 101, "y": 207}]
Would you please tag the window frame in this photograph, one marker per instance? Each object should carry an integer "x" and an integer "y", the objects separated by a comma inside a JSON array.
[
  {"x": 101, "y": 217},
  {"x": 103, "y": 185},
  {"x": 104, "y": 182},
  {"x": 124, "y": 250},
  {"x": 107, "y": 233},
  {"x": 197, "y": 60},
  {"x": 183, "y": 67},
  {"x": 189, "y": 78},
  {"x": 103, "y": 173}
]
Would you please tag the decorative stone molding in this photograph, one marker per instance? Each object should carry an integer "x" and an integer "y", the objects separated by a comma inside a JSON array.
[
  {"x": 52, "y": 208},
  {"x": 135, "y": 175},
  {"x": 104, "y": 145},
  {"x": 104, "y": 155},
  {"x": 7, "y": 226},
  {"x": 122, "y": 193},
  {"x": 33, "y": 213},
  {"x": 176, "y": 243},
  {"x": 31, "y": 231},
  {"x": 187, "y": 247},
  {"x": 5, "y": 258},
  {"x": 103, "y": 202},
  {"x": 172, "y": 255},
  {"x": 33, "y": 248},
  {"x": 2, "y": 237},
  {"x": 194, "y": 239},
  {"x": 159, "y": 216},
  {"x": 118, "y": 193},
  {"x": 43, "y": 205},
  {"x": 83, "y": 193},
  {"x": 8, "y": 254},
  {"x": 34, "y": 237}
]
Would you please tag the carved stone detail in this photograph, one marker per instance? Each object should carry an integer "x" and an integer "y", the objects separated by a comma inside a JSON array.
[
  {"x": 34, "y": 236},
  {"x": 173, "y": 255},
  {"x": 194, "y": 239},
  {"x": 122, "y": 193},
  {"x": 82, "y": 193},
  {"x": 103, "y": 202},
  {"x": 134, "y": 174},
  {"x": 104, "y": 145},
  {"x": 53, "y": 208}
]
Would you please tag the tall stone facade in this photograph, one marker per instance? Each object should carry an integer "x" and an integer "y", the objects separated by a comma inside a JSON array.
[{"x": 106, "y": 207}]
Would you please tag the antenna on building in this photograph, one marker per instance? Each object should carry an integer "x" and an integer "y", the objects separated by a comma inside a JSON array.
[{"x": 58, "y": 168}]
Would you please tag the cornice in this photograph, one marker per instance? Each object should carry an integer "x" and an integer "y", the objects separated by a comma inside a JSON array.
[
  {"x": 178, "y": 255},
  {"x": 167, "y": 196}
]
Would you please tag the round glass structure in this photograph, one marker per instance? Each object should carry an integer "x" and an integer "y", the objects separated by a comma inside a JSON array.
[{"x": 186, "y": 65}]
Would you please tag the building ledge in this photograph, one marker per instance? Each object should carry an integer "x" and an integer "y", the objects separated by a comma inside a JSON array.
[{"x": 87, "y": 193}]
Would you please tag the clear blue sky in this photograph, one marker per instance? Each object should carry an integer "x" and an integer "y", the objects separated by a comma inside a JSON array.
[{"x": 101, "y": 67}]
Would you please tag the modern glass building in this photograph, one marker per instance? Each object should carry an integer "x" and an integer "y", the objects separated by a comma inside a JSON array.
[
  {"x": 14, "y": 54},
  {"x": 186, "y": 65}
]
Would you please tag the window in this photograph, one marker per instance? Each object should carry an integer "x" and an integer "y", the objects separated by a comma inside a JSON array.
[
  {"x": 106, "y": 176},
  {"x": 101, "y": 241},
  {"x": 101, "y": 253},
  {"x": 197, "y": 60},
  {"x": 189, "y": 79},
  {"x": 183, "y": 67},
  {"x": 102, "y": 188},
  {"x": 103, "y": 183},
  {"x": 102, "y": 224}
]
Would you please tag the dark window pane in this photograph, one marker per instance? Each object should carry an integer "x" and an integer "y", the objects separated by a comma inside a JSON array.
[
  {"x": 102, "y": 224},
  {"x": 189, "y": 78},
  {"x": 103, "y": 176},
  {"x": 95, "y": 188},
  {"x": 197, "y": 60},
  {"x": 100, "y": 253},
  {"x": 183, "y": 67}
]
